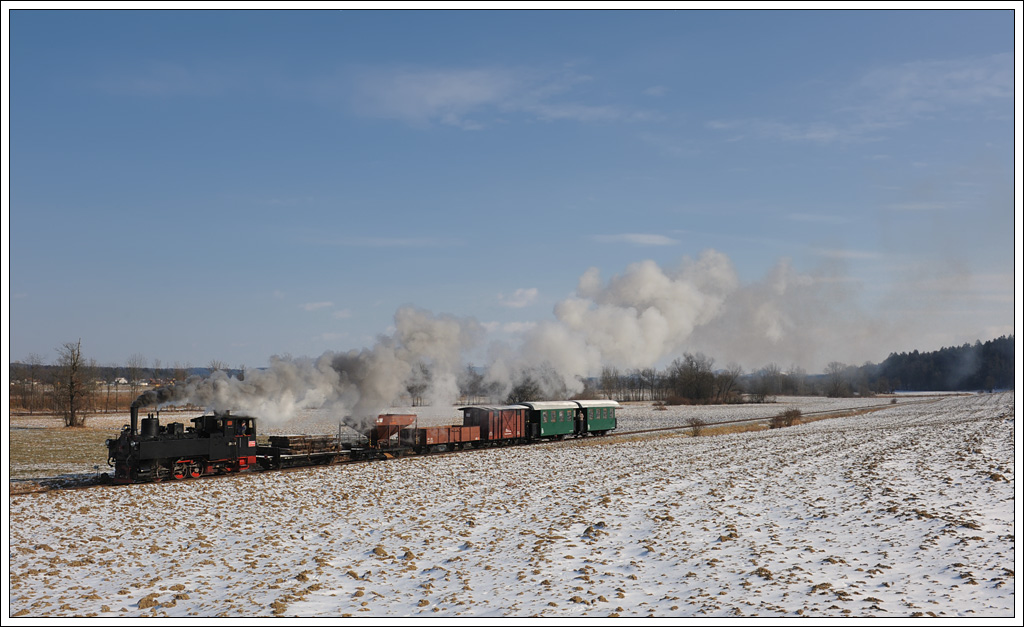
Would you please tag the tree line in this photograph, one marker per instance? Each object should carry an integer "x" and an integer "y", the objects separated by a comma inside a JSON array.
[
  {"x": 75, "y": 386},
  {"x": 978, "y": 366}
]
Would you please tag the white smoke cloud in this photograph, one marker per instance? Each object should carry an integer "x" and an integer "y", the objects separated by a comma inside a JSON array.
[
  {"x": 640, "y": 318},
  {"x": 357, "y": 384},
  {"x": 634, "y": 320}
]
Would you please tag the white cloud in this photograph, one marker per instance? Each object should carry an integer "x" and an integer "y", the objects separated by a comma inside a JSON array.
[
  {"x": 889, "y": 97},
  {"x": 315, "y": 306},
  {"x": 342, "y": 314},
  {"x": 394, "y": 242},
  {"x": 824, "y": 132},
  {"x": 822, "y": 218},
  {"x": 330, "y": 337},
  {"x": 918, "y": 206},
  {"x": 369, "y": 241},
  {"x": 520, "y": 298},
  {"x": 921, "y": 86},
  {"x": 667, "y": 144},
  {"x": 447, "y": 96},
  {"x": 472, "y": 99},
  {"x": 640, "y": 239},
  {"x": 846, "y": 253}
]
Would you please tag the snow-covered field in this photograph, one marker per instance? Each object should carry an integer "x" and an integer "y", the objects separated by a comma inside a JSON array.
[{"x": 900, "y": 512}]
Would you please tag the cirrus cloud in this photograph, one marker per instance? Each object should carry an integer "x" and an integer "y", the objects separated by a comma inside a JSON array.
[
  {"x": 639, "y": 239},
  {"x": 520, "y": 298}
]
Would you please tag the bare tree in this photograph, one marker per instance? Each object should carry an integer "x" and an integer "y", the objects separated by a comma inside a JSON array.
[
  {"x": 772, "y": 375},
  {"x": 835, "y": 380},
  {"x": 692, "y": 377},
  {"x": 766, "y": 384},
  {"x": 610, "y": 380},
  {"x": 110, "y": 382},
  {"x": 796, "y": 381},
  {"x": 650, "y": 379},
  {"x": 181, "y": 371},
  {"x": 727, "y": 381},
  {"x": 525, "y": 390},
  {"x": 419, "y": 383},
  {"x": 471, "y": 385},
  {"x": 216, "y": 364},
  {"x": 33, "y": 372},
  {"x": 72, "y": 385},
  {"x": 136, "y": 365}
]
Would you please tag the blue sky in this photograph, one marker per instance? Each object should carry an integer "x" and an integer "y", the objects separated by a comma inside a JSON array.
[{"x": 231, "y": 185}]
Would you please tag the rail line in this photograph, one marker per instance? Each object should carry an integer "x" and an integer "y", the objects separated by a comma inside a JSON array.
[
  {"x": 40, "y": 485},
  {"x": 818, "y": 415}
]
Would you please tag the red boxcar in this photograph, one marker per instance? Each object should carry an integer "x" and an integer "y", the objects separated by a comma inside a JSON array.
[
  {"x": 451, "y": 436},
  {"x": 505, "y": 422}
]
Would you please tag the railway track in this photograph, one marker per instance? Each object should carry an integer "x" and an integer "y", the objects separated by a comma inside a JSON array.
[
  {"x": 74, "y": 482},
  {"x": 816, "y": 415}
]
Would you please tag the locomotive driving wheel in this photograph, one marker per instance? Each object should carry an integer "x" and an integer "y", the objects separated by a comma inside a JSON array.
[
  {"x": 181, "y": 470},
  {"x": 195, "y": 470}
]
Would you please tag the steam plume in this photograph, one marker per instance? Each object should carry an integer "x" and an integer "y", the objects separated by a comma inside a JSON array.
[
  {"x": 358, "y": 383},
  {"x": 637, "y": 319}
]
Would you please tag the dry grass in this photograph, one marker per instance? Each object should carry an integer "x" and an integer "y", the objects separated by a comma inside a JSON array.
[
  {"x": 39, "y": 451},
  {"x": 734, "y": 428}
]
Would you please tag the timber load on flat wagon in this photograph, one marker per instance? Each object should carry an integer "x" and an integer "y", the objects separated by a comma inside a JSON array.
[{"x": 299, "y": 450}]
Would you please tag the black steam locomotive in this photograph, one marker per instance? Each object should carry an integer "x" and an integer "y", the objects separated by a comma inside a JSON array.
[{"x": 215, "y": 444}]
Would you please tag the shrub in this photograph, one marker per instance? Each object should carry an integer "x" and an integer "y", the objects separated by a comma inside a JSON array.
[
  {"x": 696, "y": 425},
  {"x": 787, "y": 418}
]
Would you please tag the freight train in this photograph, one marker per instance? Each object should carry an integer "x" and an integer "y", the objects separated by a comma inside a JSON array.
[{"x": 222, "y": 443}]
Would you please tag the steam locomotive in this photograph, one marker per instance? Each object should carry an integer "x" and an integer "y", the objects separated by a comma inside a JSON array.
[
  {"x": 222, "y": 443},
  {"x": 215, "y": 444}
]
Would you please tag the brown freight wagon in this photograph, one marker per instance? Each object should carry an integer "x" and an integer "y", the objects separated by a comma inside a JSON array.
[
  {"x": 499, "y": 424},
  {"x": 385, "y": 433},
  {"x": 449, "y": 437}
]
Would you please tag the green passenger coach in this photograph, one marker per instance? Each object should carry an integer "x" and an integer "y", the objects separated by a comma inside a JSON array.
[
  {"x": 599, "y": 416},
  {"x": 547, "y": 419},
  {"x": 552, "y": 418}
]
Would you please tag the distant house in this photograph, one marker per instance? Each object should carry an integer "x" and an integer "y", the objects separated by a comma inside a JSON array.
[{"x": 120, "y": 381}]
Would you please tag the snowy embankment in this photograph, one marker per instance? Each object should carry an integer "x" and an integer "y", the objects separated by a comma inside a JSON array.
[{"x": 905, "y": 511}]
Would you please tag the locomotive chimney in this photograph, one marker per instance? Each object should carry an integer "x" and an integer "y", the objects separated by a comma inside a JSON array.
[{"x": 135, "y": 419}]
